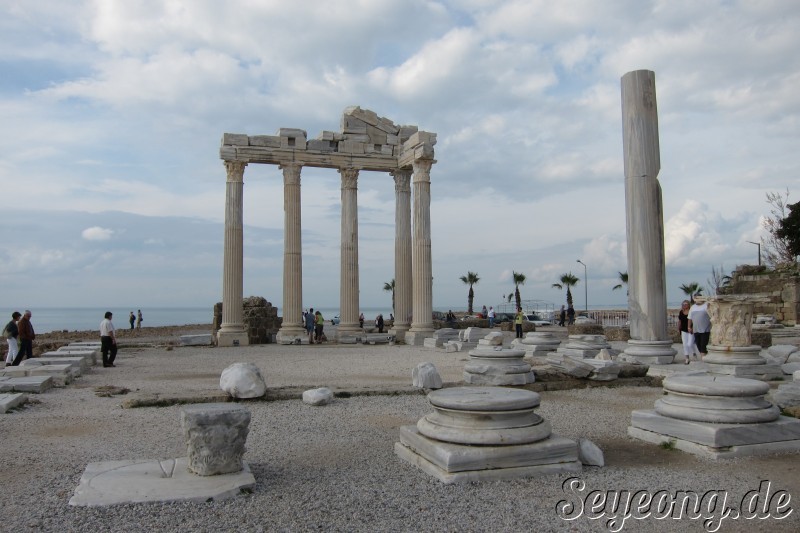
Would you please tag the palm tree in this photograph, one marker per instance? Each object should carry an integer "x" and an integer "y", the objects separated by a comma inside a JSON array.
[
  {"x": 567, "y": 280},
  {"x": 623, "y": 278},
  {"x": 690, "y": 289},
  {"x": 470, "y": 279},
  {"x": 519, "y": 279},
  {"x": 389, "y": 287}
]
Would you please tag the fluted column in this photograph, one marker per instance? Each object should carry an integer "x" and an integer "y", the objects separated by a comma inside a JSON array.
[
  {"x": 647, "y": 296},
  {"x": 421, "y": 268},
  {"x": 402, "y": 253},
  {"x": 348, "y": 286},
  {"x": 292, "y": 328},
  {"x": 232, "y": 330}
]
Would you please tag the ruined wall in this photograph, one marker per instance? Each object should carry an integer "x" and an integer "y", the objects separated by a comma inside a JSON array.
[
  {"x": 260, "y": 319},
  {"x": 780, "y": 287}
]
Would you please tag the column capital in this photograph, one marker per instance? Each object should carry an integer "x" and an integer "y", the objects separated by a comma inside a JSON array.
[
  {"x": 291, "y": 172},
  {"x": 349, "y": 178},
  {"x": 422, "y": 170},
  {"x": 402, "y": 179},
  {"x": 235, "y": 170}
]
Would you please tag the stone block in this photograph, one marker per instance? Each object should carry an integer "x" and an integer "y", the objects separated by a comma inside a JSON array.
[
  {"x": 350, "y": 147},
  {"x": 61, "y": 374},
  {"x": 203, "y": 339},
  {"x": 404, "y": 132},
  {"x": 14, "y": 371},
  {"x": 791, "y": 368},
  {"x": 215, "y": 436},
  {"x": 387, "y": 150},
  {"x": 321, "y": 146},
  {"x": 79, "y": 364},
  {"x": 325, "y": 136},
  {"x": 392, "y": 140},
  {"x": 292, "y": 132},
  {"x": 589, "y": 453},
  {"x": 320, "y": 396},
  {"x": 267, "y": 141},
  {"x": 35, "y": 384},
  {"x": 235, "y": 139},
  {"x": 12, "y": 400},
  {"x": 425, "y": 376},
  {"x": 243, "y": 380}
]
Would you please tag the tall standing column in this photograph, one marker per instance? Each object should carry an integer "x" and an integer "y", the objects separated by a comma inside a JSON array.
[
  {"x": 349, "y": 287},
  {"x": 402, "y": 253},
  {"x": 292, "y": 328},
  {"x": 647, "y": 298},
  {"x": 232, "y": 330},
  {"x": 421, "y": 267}
]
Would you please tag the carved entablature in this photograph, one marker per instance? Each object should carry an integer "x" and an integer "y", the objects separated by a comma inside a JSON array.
[{"x": 366, "y": 141}]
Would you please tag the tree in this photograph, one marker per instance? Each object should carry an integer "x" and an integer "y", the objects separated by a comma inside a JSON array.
[
  {"x": 718, "y": 279},
  {"x": 623, "y": 278},
  {"x": 567, "y": 280},
  {"x": 519, "y": 279},
  {"x": 389, "y": 287},
  {"x": 789, "y": 229},
  {"x": 690, "y": 289},
  {"x": 776, "y": 247},
  {"x": 470, "y": 279}
]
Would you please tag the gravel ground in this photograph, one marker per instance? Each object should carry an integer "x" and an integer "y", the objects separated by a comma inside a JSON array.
[{"x": 332, "y": 468}]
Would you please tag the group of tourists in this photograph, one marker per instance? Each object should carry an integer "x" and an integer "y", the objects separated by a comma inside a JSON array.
[
  {"x": 314, "y": 323},
  {"x": 19, "y": 335},
  {"x": 137, "y": 319},
  {"x": 695, "y": 327},
  {"x": 566, "y": 316}
]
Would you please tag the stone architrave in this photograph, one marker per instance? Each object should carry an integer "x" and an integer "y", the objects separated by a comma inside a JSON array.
[
  {"x": 292, "y": 327},
  {"x": 402, "y": 254},
  {"x": 232, "y": 331},
  {"x": 348, "y": 287},
  {"x": 215, "y": 435},
  {"x": 647, "y": 298},
  {"x": 422, "y": 270}
]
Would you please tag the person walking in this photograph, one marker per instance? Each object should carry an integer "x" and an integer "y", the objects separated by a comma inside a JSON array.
[
  {"x": 132, "y": 319},
  {"x": 310, "y": 325},
  {"x": 26, "y": 337},
  {"x": 518, "y": 322},
  {"x": 700, "y": 324},
  {"x": 687, "y": 339},
  {"x": 108, "y": 340},
  {"x": 570, "y": 315},
  {"x": 491, "y": 316},
  {"x": 12, "y": 334},
  {"x": 562, "y": 317},
  {"x": 139, "y": 319}
]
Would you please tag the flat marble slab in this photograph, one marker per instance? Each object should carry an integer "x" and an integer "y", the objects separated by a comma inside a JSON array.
[
  {"x": 483, "y": 399},
  {"x": 36, "y": 384},
  {"x": 152, "y": 481},
  {"x": 202, "y": 339},
  {"x": 9, "y": 401},
  {"x": 713, "y": 385},
  {"x": 728, "y": 452}
]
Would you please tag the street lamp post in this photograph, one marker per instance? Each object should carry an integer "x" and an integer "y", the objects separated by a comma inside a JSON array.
[
  {"x": 759, "y": 251},
  {"x": 585, "y": 287}
]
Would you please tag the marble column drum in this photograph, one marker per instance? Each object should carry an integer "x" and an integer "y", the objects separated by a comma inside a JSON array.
[
  {"x": 717, "y": 417},
  {"x": 292, "y": 328},
  {"x": 485, "y": 433},
  {"x": 422, "y": 270},
  {"x": 647, "y": 296},
  {"x": 349, "y": 284},
  {"x": 402, "y": 254},
  {"x": 232, "y": 330}
]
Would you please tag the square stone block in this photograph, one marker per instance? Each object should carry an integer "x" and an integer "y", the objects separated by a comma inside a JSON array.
[
  {"x": 36, "y": 384},
  {"x": 61, "y": 374},
  {"x": 215, "y": 435},
  {"x": 9, "y": 401}
]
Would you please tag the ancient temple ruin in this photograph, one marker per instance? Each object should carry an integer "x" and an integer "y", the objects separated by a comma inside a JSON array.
[{"x": 365, "y": 142}]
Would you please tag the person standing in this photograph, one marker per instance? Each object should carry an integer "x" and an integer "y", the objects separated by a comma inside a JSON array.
[
  {"x": 12, "y": 335},
  {"x": 700, "y": 323},
  {"x": 310, "y": 325},
  {"x": 483, "y": 312},
  {"x": 491, "y": 316},
  {"x": 518, "y": 322},
  {"x": 108, "y": 340},
  {"x": 687, "y": 339},
  {"x": 26, "y": 337},
  {"x": 319, "y": 325},
  {"x": 562, "y": 317},
  {"x": 132, "y": 319},
  {"x": 379, "y": 323},
  {"x": 570, "y": 315},
  {"x": 139, "y": 319},
  {"x": 361, "y": 320}
]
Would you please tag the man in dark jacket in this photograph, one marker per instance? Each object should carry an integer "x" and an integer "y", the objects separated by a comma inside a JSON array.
[
  {"x": 12, "y": 336},
  {"x": 26, "y": 336}
]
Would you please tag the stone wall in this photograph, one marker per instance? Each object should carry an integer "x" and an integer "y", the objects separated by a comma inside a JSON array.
[
  {"x": 260, "y": 318},
  {"x": 780, "y": 287}
]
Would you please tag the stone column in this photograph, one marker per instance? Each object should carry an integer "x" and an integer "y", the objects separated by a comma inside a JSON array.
[
  {"x": 421, "y": 268},
  {"x": 232, "y": 330},
  {"x": 647, "y": 298},
  {"x": 731, "y": 351},
  {"x": 348, "y": 288},
  {"x": 292, "y": 329},
  {"x": 402, "y": 253}
]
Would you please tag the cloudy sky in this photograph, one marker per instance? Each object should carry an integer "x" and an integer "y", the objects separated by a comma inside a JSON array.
[{"x": 111, "y": 115}]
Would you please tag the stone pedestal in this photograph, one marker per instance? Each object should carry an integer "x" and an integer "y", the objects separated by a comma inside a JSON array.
[
  {"x": 485, "y": 433},
  {"x": 585, "y": 346},
  {"x": 536, "y": 343},
  {"x": 490, "y": 364},
  {"x": 718, "y": 417},
  {"x": 215, "y": 435},
  {"x": 649, "y": 352}
]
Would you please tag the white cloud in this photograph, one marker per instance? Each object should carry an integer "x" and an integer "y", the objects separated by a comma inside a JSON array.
[{"x": 96, "y": 233}]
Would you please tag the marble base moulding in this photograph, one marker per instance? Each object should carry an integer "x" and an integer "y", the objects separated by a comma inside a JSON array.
[
  {"x": 483, "y": 434},
  {"x": 649, "y": 352}
]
